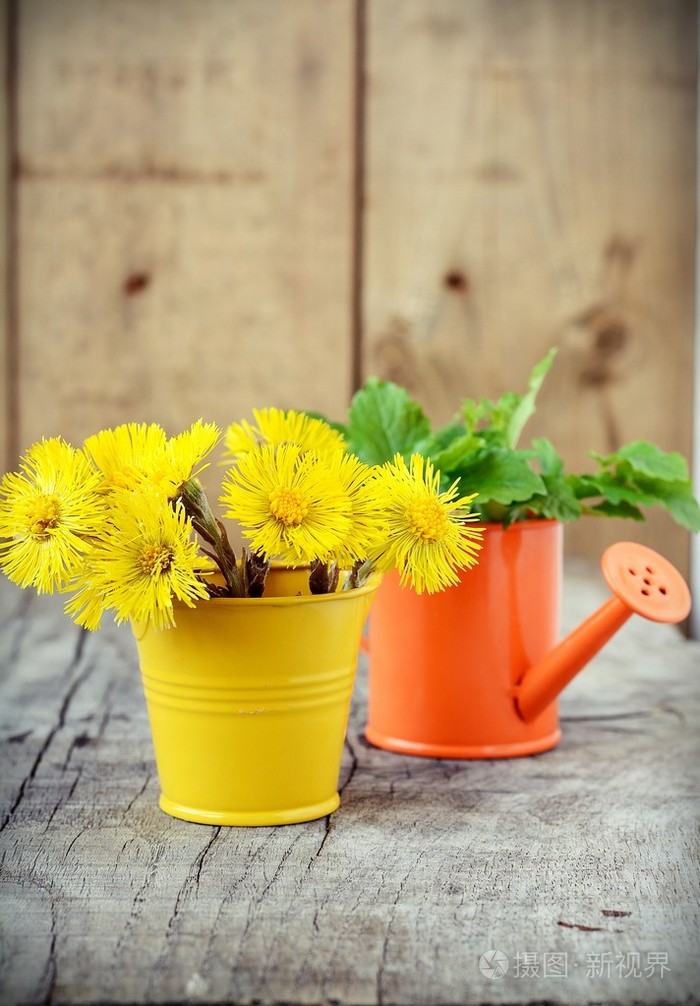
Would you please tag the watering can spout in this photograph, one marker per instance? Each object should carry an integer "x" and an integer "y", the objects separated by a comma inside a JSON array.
[{"x": 641, "y": 581}]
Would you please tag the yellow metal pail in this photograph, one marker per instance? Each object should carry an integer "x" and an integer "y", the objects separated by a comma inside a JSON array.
[{"x": 248, "y": 702}]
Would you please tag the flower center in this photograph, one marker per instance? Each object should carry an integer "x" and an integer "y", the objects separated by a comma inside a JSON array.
[
  {"x": 427, "y": 519},
  {"x": 288, "y": 506},
  {"x": 156, "y": 559},
  {"x": 43, "y": 516}
]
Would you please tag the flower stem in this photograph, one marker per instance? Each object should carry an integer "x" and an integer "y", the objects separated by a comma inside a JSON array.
[
  {"x": 211, "y": 529},
  {"x": 323, "y": 578},
  {"x": 255, "y": 570},
  {"x": 359, "y": 574}
]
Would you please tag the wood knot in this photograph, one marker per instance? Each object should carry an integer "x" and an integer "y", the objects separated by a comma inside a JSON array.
[
  {"x": 136, "y": 282},
  {"x": 609, "y": 335},
  {"x": 456, "y": 280}
]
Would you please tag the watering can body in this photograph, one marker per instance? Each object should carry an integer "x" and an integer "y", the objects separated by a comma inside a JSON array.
[
  {"x": 475, "y": 671},
  {"x": 444, "y": 668}
]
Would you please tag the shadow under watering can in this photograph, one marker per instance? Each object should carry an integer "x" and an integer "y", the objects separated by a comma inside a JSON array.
[{"x": 475, "y": 671}]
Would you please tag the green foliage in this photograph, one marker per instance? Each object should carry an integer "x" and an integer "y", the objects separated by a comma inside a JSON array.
[
  {"x": 479, "y": 447},
  {"x": 383, "y": 421}
]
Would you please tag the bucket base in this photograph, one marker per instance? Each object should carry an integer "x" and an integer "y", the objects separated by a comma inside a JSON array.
[
  {"x": 463, "y": 751},
  {"x": 250, "y": 818}
]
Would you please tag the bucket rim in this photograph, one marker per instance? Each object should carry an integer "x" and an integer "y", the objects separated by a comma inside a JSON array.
[{"x": 285, "y": 601}]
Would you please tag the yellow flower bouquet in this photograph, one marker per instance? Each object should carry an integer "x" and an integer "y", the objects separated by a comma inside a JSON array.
[{"x": 123, "y": 524}]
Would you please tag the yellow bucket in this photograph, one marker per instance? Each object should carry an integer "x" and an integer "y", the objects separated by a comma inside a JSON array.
[{"x": 248, "y": 701}]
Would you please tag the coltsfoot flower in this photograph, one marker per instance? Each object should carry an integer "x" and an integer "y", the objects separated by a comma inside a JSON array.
[
  {"x": 124, "y": 523},
  {"x": 146, "y": 555},
  {"x": 288, "y": 504},
  {"x": 276, "y": 427},
  {"x": 428, "y": 538},
  {"x": 136, "y": 454},
  {"x": 49, "y": 513},
  {"x": 127, "y": 455}
]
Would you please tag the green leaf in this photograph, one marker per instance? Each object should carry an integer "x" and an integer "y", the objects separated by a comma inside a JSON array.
[
  {"x": 558, "y": 500},
  {"x": 613, "y": 487},
  {"x": 501, "y": 475},
  {"x": 384, "y": 420},
  {"x": 526, "y": 406},
  {"x": 622, "y": 509},
  {"x": 683, "y": 507},
  {"x": 439, "y": 440},
  {"x": 676, "y": 497},
  {"x": 459, "y": 454},
  {"x": 501, "y": 422},
  {"x": 649, "y": 460},
  {"x": 623, "y": 491},
  {"x": 549, "y": 459}
]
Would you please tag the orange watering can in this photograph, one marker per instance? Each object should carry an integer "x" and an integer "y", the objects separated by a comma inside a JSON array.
[{"x": 475, "y": 671}]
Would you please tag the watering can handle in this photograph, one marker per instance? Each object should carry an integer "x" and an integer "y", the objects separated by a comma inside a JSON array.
[{"x": 642, "y": 581}]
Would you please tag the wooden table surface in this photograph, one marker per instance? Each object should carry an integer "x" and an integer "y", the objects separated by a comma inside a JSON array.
[{"x": 579, "y": 865}]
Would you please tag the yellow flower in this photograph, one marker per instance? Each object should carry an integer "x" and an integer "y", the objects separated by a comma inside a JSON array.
[
  {"x": 135, "y": 454},
  {"x": 49, "y": 510},
  {"x": 276, "y": 427},
  {"x": 428, "y": 540},
  {"x": 146, "y": 555},
  {"x": 364, "y": 492},
  {"x": 127, "y": 454},
  {"x": 185, "y": 456},
  {"x": 287, "y": 504}
]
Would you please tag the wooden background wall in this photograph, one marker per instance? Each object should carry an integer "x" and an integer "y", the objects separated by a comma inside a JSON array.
[{"x": 219, "y": 204}]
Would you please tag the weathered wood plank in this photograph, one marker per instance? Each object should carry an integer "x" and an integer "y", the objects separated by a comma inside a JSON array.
[
  {"x": 5, "y": 241},
  {"x": 185, "y": 210},
  {"x": 587, "y": 850},
  {"x": 530, "y": 182}
]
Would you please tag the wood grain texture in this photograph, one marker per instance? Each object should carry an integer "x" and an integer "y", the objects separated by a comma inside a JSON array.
[
  {"x": 6, "y": 430},
  {"x": 185, "y": 207},
  {"x": 530, "y": 181},
  {"x": 588, "y": 850}
]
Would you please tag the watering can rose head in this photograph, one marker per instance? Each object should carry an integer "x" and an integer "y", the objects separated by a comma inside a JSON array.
[{"x": 123, "y": 523}]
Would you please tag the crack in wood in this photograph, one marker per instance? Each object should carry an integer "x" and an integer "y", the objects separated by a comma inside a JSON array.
[
  {"x": 353, "y": 764},
  {"x": 73, "y": 841},
  {"x": 190, "y": 882},
  {"x": 583, "y": 929},
  {"x": 326, "y": 833},
  {"x": 51, "y": 967},
  {"x": 138, "y": 899},
  {"x": 192, "y": 879},
  {"x": 134, "y": 173},
  {"x": 226, "y": 899},
  {"x": 59, "y": 725},
  {"x": 285, "y": 856},
  {"x": 82, "y": 739},
  {"x": 387, "y": 934},
  {"x": 671, "y": 710},
  {"x": 62, "y": 798},
  {"x": 133, "y": 800},
  {"x": 19, "y": 626},
  {"x": 604, "y": 717}
]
